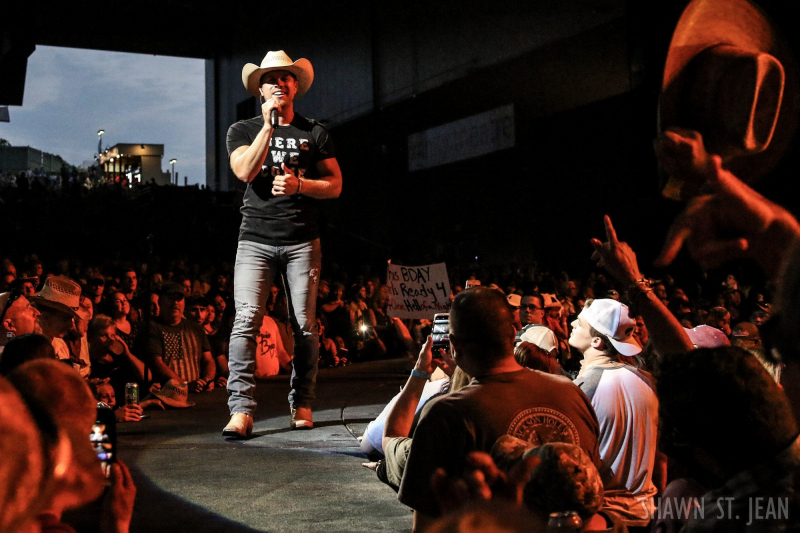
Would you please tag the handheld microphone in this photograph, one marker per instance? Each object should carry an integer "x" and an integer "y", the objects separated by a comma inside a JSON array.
[{"x": 273, "y": 118}]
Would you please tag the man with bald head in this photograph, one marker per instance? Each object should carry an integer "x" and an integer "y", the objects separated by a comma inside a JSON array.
[
  {"x": 502, "y": 399},
  {"x": 17, "y": 317}
]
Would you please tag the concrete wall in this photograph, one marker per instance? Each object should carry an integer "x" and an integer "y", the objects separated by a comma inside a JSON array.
[{"x": 374, "y": 55}]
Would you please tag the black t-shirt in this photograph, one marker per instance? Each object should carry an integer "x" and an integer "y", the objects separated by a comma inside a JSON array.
[{"x": 281, "y": 220}]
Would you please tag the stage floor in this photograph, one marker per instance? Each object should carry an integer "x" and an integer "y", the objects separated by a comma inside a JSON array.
[{"x": 190, "y": 479}]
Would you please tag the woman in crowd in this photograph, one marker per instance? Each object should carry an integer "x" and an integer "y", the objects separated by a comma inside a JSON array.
[
  {"x": 358, "y": 308},
  {"x": 120, "y": 309},
  {"x": 328, "y": 352},
  {"x": 336, "y": 312},
  {"x": 111, "y": 357}
]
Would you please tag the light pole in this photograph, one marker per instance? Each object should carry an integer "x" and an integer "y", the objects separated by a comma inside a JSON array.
[
  {"x": 100, "y": 149},
  {"x": 172, "y": 162}
]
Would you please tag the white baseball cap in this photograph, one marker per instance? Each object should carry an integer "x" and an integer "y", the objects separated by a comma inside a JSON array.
[
  {"x": 611, "y": 318},
  {"x": 539, "y": 335}
]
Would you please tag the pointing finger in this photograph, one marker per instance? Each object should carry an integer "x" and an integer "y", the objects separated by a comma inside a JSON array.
[{"x": 611, "y": 233}]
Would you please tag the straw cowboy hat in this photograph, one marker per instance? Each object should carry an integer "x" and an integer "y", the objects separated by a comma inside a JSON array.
[
  {"x": 61, "y": 294},
  {"x": 173, "y": 393},
  {"x": 730, "y": 76},
  {"x": 302, "y": 70}
]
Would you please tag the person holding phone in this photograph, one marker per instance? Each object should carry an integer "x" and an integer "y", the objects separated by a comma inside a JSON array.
[{"x": 288, "y": 163}]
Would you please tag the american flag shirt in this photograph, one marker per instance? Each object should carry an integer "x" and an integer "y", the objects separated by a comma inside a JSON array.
[{"x": 181, "y": 347}]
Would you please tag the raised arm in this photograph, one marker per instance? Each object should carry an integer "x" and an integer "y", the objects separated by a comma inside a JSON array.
[
  {"x": 619, "y": 259},
  {"x": 136, "y": 364},
  {"x": 401, "y": 416},
  {"x": 732, "y": 221},
  {"x": 246, "y": 161}
]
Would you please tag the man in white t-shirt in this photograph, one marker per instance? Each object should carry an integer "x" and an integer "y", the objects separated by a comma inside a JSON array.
[{"x": 626, "y": 405}]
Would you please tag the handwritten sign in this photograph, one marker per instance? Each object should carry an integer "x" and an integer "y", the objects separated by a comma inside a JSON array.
[{"x": 418, "y": 291}]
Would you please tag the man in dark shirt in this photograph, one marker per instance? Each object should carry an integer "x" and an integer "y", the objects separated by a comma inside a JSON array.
[
  {"x": 178, "y": 348},
  {"x": 503, "y": 398},
  {"x": 288, "y": 163}
]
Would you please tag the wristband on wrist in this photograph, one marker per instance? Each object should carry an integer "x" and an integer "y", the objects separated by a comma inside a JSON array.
[
  {"x": 420, "y": 374},
  {"x": 299, "y": 185}
]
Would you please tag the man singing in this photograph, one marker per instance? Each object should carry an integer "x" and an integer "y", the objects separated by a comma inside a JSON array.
[{"x": 288, "y": 163}]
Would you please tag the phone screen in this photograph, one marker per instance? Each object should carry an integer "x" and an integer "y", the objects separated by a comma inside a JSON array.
[
  {"x": 440, "y": 333},
  {"x": 104, "y": 438}
]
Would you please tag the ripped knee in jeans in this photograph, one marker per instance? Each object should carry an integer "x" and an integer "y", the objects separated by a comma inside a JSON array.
[{"x": 246, "y": 316}]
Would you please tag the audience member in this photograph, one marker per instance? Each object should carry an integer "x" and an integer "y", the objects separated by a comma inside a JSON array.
[
  {"x": 176, "y": 348},
  {"x": 704, "y": 336},
  {"x": 17, "y": 317},
  {"x": 328, "y": 352},
  {"x": 111, "y": 357},
  {"x": 720, "y": 318},
  {"x": 358, "y": 308},
  {"x": 128, "y": 283},
  {"x": 531, "y": 310},
  {"x": 103, "y": 392},
  {"x": 554, "y": 478},
  {"x": 129, "y": 286},
  {"x": 120, "y": 311},
  {"x": 391, "y": 330},
  {"x": 626, "y": 405},
  {"x": 197, "y": 310},
  {"x": 503, "y": 398},
  {"x": 513, "y": 302},
  {"x": 335, "y": 310},
  {"x": 24, "y": 469},
  {"x": 58, "y": 303},
  {"x": 95, "y": 287},
  {"x": 75, "y": 340},
  {"x": 538, "y": 349},
  {"x": 57, "y": 394},
  {"x": 394, "y": 427},
  {"x": 218, "y": 340},
  {"x": 556, "y": 320},
  {"x": 25, "y": 348},
  {"x": 746, "y": 335},
  {"x": 271, "y": 355},
  {"x": 748, "y": 450},
  {"x": 440, "y": 383}
]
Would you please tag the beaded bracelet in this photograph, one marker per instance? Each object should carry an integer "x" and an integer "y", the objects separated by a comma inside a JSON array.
[
  {"x": 642, "y": 285},
  {"x": 299, "y": 185}
]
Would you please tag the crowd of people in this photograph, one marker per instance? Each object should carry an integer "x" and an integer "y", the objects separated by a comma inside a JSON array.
[
  {"x": 660, "y": 417},
  {"x": 591, "y": 419}
]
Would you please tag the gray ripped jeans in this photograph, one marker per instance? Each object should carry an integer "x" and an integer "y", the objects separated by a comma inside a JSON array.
[{"x": 254, "y": 274}]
